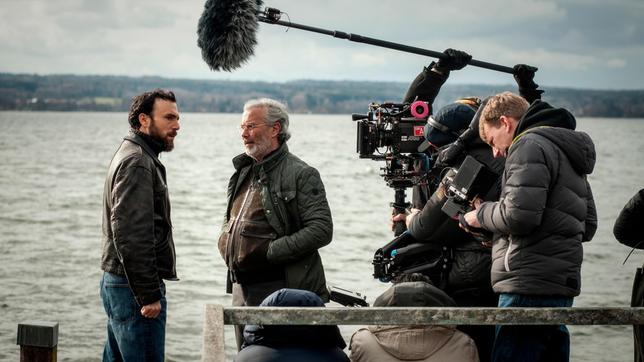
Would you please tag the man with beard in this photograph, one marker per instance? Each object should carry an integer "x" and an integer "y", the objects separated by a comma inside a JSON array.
[
  {"x": 277, "y": 215},
  {"x": 138, "y": 250}
]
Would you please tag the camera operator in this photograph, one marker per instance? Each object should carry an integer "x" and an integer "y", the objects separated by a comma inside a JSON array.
[
  {"x": 467, "y": 279},
  {"x": 425, "y": 87}
]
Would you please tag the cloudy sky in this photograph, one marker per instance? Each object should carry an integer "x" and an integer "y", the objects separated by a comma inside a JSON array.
[{"x": 575, "y": 43}]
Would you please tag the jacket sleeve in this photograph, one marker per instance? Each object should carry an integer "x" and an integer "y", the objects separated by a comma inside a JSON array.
[
  {"x": 425, "y": 86},
  {"x": 524, "y": 196},
  {"x": 432, "y": 225},
  {"x": 591, "y": 216},
  {"x": 132, "y": 218},
  {"x": 627, "y": 227},
  {"x": 315, "y": 228}
]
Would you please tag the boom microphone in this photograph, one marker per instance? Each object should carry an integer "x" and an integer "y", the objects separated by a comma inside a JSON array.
[
  {"x": 227, "y": 34},
  {"x": 227, "y": 31}
]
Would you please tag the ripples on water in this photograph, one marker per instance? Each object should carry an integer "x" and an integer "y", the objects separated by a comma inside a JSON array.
[{"x": 53, "y": 167}]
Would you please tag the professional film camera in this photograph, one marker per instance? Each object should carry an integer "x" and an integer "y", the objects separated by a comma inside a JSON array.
[
  {"x": 392, "y": 132},
  {"x": 404, "y": 254}
]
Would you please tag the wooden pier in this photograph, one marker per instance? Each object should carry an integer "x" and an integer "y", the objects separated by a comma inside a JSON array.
[{"x": 216, "y": 316}]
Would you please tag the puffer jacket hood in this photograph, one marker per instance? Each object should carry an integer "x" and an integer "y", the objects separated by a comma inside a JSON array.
[
  {"x": 576, "y": 145},
  {"x": 543, "y": 114},
  {"x": 413, "y": 294},
  {"x": 558, "y": 126},
  {"x": 418, "y": 342}
]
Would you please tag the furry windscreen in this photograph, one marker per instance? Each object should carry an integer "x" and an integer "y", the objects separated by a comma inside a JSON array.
[{"x": 226, "y": 32}]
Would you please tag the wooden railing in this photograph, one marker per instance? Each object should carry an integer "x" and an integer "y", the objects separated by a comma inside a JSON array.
[{"x": 216, "y": 316}]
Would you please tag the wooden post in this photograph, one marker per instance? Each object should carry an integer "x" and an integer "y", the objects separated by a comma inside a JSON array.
[
  {"x": 38, "y": 341},
  {"x": 213, "y": 334}
]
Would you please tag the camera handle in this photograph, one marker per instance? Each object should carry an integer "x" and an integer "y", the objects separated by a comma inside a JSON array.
[{"x": 400, "y": 207}]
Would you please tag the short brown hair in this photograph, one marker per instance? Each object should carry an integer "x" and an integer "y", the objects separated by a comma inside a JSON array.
[
  {"x": 144, "y": 103},
  {"x": 503, "y": 104}
]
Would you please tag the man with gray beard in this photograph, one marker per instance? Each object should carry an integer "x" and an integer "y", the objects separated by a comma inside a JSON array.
[{"x": 277, "y": 216}]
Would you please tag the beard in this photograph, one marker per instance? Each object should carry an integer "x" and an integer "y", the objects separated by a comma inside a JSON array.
[
  {"x": 259, "y": 149},
  {"x": 167, "y": 140}
]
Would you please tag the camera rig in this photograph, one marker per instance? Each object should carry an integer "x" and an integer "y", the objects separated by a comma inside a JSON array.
[
  {"x": 472, "y": 179},
  {"x": 405, "y": 255},
  {"x": 392, "y": 132}
]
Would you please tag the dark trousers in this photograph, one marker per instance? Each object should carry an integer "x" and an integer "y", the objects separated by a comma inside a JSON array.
[
  {"x": 252, "y": 296},
  {"x": 637, "y": 300},
  {"x": 483, "y": 336},
  {"x": 532, "y": 343}
]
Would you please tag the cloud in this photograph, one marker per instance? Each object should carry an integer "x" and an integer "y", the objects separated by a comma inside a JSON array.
[{"x": 570, "y": 41}]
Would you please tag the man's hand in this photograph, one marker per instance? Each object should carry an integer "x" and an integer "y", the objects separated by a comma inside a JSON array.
[
  {"x": 151, "y": 310},
  {"x": 471, "y": 220},
  {"x": 524, "y": 76},
  {"x": 453, "y": 60},
  {"x": 406, "y": 218}
]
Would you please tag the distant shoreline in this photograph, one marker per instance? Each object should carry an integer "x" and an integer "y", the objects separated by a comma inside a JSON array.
[{"x": 86, "y": 93}]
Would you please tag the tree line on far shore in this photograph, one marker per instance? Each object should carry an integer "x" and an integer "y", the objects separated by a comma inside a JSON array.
[{"x": 31, "y": 92}]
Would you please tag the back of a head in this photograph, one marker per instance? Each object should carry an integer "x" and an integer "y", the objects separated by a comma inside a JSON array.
[
  {"x": 305, "y": 336},
  {"x": 450, "y": 121},
  {"x": 292, "y": 298},
  {"x": 413, "y": 294}
]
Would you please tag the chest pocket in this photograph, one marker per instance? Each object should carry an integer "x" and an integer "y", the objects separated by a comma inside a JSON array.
[
  {"x": 283, "y": 201},
  {"x": 286, "y": 196}
]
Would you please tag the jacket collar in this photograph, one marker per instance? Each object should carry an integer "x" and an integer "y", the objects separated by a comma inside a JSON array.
[
  {"x": 139, "y": 140},
  {"x": 266, "y": 164}
]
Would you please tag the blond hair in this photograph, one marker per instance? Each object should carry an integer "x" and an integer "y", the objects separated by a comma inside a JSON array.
[{"x": 503, "y": 104}]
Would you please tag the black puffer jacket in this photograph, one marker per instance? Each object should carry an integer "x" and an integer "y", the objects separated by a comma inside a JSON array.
[
  {"x": 137, "y": 232},
  {"x": 627, "y": 227},
  {"x": 546, "y": 207}
]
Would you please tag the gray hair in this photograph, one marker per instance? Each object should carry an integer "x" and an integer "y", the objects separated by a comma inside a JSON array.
[{"x": 275, "y": 112}]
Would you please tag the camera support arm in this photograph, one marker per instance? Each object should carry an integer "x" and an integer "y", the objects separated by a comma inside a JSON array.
[
  {"x": 272, "y": 16},
  {"x": 400, "y": 207}
]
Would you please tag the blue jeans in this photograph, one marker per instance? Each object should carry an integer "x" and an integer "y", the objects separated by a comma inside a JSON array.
[
  {"x": 130, "y": 336},
  {"x": 532, "y": 343}
]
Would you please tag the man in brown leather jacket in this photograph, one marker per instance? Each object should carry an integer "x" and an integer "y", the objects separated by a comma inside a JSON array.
[
  {"x": 277, "y": 215},
  {"x": 138, "y": 250}
]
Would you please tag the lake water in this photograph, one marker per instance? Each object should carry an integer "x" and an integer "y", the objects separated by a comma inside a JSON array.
[{"x": 52, "y": 168}]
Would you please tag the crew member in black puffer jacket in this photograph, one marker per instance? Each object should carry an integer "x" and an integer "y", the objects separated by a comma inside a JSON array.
[
  {"x": 545, "y": 211},
  {"x": 628, "y": 231},
  {"x": 467, "y": 275}
]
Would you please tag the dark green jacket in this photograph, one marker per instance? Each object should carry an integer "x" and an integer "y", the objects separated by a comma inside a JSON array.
[{"x": 295, "y": 205}]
